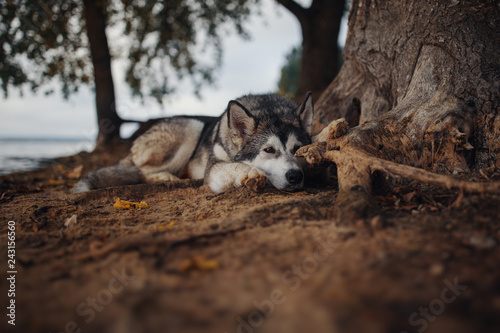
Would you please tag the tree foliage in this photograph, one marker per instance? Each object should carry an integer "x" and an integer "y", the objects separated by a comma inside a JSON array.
[
  {"x": 287, "y": 84},
  {"x": 45, "y": 41},
  {"x": 165, "y": 35},
  {"x": 42, "y": 41}
]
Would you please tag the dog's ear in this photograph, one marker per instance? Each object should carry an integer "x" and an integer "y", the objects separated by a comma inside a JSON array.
[
  {"x": 305, "y": 113},
  {"x": 240, "y": 122}
]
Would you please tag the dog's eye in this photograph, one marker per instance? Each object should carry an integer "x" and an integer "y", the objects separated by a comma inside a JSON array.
[
  {"x": 295, "y": 148},
  {"x": 269, "y": 150}
]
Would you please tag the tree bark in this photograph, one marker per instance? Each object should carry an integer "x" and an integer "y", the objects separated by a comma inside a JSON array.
[
  {"x": 420, "y": 86},
  {"x": 424, "y": 73},
  {"x": 320, "y": 24},
  {"x": 108, "y": 120}
]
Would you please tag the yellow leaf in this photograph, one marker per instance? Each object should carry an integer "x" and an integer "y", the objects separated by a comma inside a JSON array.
[
  {"x": 199, "y": 263},
  {"x": 123, "y": 204},
  {"x": 161, "y": 227}
]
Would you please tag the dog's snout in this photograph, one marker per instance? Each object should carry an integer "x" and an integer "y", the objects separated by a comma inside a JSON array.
[{"x": 294, "y": 176}]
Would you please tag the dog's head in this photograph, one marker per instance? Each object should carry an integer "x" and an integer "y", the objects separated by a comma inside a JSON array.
[{"x": 266, "y": 131}]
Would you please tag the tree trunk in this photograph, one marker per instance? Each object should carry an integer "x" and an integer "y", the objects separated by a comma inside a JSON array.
[
  {"x": 420, "y": 85},
  {"x": 320, "y": 24},
  {"x": 108, "y": 120}
]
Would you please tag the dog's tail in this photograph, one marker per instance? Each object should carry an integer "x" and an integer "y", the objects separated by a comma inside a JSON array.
[{"x": 124, "y": 173}]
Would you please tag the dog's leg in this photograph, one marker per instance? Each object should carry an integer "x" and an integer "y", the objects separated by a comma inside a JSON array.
[
  {"x": 163, "y": 152},
  {"x": 224, "y": 175},
  {"x": 157, "y": 174}
]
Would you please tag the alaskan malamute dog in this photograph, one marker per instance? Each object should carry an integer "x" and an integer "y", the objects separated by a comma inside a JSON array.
[{"x": 254, "y": 140}]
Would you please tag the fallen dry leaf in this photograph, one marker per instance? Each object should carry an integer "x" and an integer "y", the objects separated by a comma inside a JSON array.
[
  {"x": 406, "y": 206},
  {"x": 409, "y": 196},
  {"x": 69, "y": 222},
  {"x": 387, "y": 200},
  {"x": 123, "y": 204},
  {"x": 76, "y": 173},
  {"x": 55, "y": 181},
  {"x": 199, "y": 263},
  {"x": 161, "y": 227}
]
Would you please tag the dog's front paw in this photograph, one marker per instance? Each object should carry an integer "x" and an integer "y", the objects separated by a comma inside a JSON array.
[
  {"x": 254, "y": 179},
  {"x": 223, "y": 176}
]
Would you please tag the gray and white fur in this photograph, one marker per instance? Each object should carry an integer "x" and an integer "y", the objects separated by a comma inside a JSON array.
[{"x": 256, "y": 136}]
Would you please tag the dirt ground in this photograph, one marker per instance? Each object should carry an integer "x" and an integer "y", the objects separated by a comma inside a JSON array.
[{"x": 244, "y": 261}]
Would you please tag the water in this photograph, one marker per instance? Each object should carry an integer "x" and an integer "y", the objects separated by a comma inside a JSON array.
[{"x": 27, "y": 154}]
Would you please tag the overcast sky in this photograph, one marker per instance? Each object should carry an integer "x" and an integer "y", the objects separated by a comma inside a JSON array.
[{"x": 248, "y": 67}]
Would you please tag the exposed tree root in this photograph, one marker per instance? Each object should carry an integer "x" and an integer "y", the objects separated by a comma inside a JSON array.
[
  {"x": 355, "y": 168},
  {"x": 363, "y": 164}
]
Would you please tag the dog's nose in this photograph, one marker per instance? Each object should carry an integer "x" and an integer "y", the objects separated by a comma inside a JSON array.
[{"x": 294, "y": 176}]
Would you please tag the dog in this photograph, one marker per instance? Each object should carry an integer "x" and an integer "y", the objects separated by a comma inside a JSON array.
[{"x": 252, "y": 143}]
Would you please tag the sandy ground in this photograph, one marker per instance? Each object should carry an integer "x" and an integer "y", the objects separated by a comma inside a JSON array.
[{"x": 245, "y": 261}]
